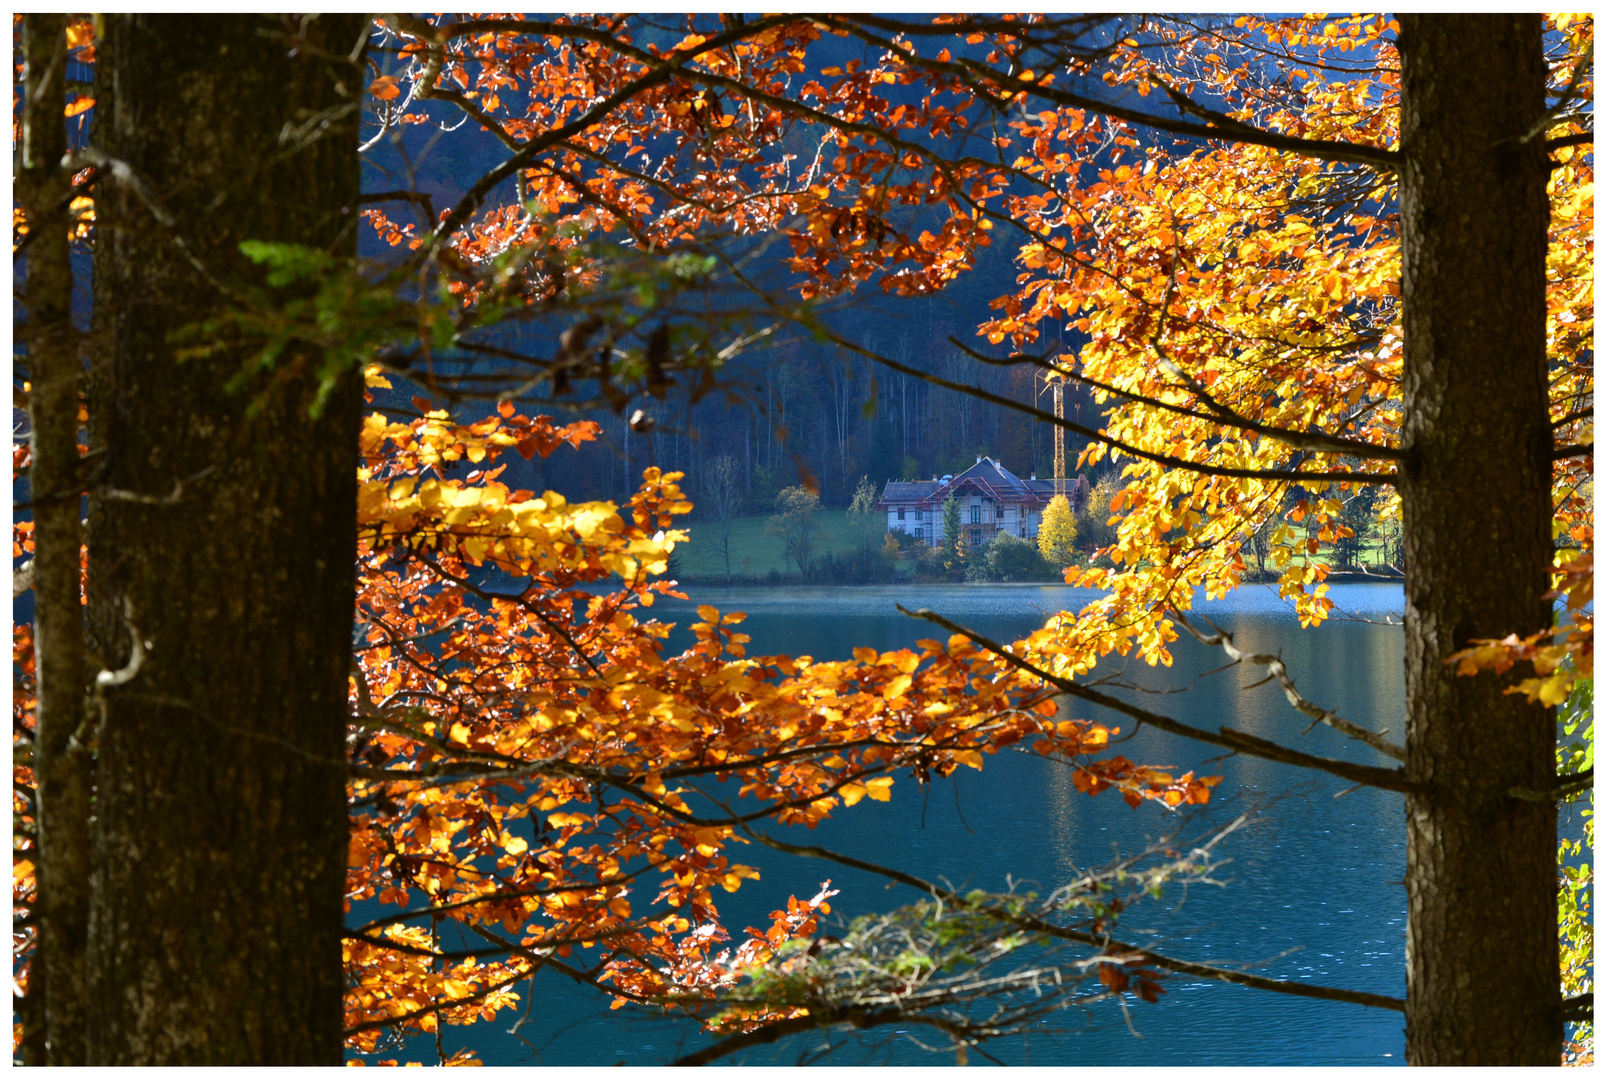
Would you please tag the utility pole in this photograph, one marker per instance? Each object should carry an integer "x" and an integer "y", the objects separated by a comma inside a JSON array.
[{"x": 1060, "y": 436}]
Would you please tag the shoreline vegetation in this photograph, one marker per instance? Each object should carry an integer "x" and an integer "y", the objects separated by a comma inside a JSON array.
[
  {"x": 1337, "y": 577},
  {"x": 841, "y": 556}
]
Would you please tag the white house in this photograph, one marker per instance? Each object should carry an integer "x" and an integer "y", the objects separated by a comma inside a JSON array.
[{"x": 992, "y": 500}]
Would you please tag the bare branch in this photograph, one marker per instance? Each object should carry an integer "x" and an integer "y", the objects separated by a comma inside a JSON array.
[
  {"x": 125, "y": 174},
  {"x": 1137, "y": 952},
  {"x": 172, "y": 498},
  {"x": 137, "y": 645},
  {"x": 1388, "y": 779},
  {"x": 420, "y": 198},
  {"x": 1275, "y": 667},
  {"x": 1319, "y": 441}
]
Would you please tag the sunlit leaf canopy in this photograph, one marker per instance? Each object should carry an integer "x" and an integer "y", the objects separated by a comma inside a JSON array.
[
  {"x": 482, "y": 705},
  {"x": 1237, "y": 301},
  {"x": 1207, "y": 204}
]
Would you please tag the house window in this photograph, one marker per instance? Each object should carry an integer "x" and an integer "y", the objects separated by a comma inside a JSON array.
[
  {"x": 976, "y": 537},
  {"x": 976, "y": 515},
  {"x": 901, "y": 513}
]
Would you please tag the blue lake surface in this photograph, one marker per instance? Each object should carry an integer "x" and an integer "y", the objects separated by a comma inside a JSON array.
[{"x": 1312, "y": 889}]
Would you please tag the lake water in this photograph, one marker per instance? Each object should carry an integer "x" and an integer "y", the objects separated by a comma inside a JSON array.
[{"x": 1313, "y": 890}]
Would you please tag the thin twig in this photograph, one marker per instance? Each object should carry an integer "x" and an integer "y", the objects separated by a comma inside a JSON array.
[{"x": 1276, "y": 670}]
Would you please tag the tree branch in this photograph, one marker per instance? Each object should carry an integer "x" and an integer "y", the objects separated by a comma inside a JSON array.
[
  {"x": 1388, "y": 779},
  {"x": 172, "y": 498},
  {"x": 1274, "y": 666},
  {"x": 1319, "y": 441},
  {"x": 970, "y": 72},
  {"x": 529, "y": 605},
  {"x": 1049, "y": 929},
  {"x": 426, "y": 88},
  {"x": 1578, "y": 138},
  {"x": 392, "y": 1021},
  {"x": 769, "y": 1033},
  {"x": 1570, "y": 784},
  {"x": 415, "y": 950},
  {"x": 665, "y": 69},
  {"x": 1038, "y": 414}
]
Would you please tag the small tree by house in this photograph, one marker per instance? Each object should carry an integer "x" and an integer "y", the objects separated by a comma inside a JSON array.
[
  {"x": 866, "y": 528},
  {"x": 1057, "y": 536},
  {"x": 952, "y": 554},
  {"x": 794, "y": 521},
  {"x": 891, "y": 550}
]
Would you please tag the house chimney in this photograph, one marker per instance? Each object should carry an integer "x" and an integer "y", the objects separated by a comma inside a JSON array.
[
  {"x": 979, "y": 459},
  {"x": 1035, "y": 476}
]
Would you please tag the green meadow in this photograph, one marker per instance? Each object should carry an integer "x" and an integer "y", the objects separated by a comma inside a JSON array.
[{"x": 754, "y": 553}]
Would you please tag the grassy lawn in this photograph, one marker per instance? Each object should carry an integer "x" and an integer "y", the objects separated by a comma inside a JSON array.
[{"x": 752, "y": 551}]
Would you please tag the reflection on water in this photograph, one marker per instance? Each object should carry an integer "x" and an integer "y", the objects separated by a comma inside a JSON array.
[
  {"x": 1312, "y": 892},
  {"x": 1061, "y": 807}
]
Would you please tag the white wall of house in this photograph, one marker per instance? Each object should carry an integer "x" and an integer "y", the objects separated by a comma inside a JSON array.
[{"x": 927, "y": 524}]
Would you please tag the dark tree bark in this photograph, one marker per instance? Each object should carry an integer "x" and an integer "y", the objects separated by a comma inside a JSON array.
[
  {"x": 220, "y": 830},
  {"x": 1482, "y": 983},
  {"x": 61, "y": 859}
]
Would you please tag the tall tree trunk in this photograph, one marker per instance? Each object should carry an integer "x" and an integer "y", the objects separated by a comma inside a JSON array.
[
  {"x": 1482, "y": 982},
  {"x": 61, "y": 911},
  {"x": 220, "y": 827}
]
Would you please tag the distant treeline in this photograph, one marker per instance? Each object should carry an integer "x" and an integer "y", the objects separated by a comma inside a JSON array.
[{"x": 802, "y": 411}]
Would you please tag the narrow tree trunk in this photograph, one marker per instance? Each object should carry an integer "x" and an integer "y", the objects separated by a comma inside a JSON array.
[
  {"x": 1482, "y": 982},
  {"x": 220, "y": 818},
  {"x": 61, "y": 911}
]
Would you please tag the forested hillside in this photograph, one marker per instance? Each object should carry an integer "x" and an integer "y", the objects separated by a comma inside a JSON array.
[{"x": 794, "y": 408}]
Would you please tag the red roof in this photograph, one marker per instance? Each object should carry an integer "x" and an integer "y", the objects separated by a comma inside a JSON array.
[{"x": 987, "y": 477}]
